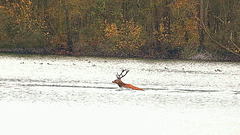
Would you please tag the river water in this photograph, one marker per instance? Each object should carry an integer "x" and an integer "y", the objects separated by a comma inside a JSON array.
[{"x": 75, "y": 95}]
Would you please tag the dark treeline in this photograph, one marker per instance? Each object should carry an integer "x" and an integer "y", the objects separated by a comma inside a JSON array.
[{"x": 129, "y": 28}]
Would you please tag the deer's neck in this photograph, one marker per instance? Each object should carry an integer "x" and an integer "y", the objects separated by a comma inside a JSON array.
[{"x": 120, "y": 83}]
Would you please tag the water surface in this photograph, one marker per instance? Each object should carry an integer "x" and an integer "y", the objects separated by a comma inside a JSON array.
[{"x": 75, "y": 95}]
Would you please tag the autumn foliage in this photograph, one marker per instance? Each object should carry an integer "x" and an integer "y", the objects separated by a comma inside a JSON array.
[
  {"x": 130, "y": 28},
  {"x": 21, "y": 27},
  {"x": 126, "y": 38}
]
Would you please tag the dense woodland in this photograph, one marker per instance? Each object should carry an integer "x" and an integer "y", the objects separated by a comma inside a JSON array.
[{"x": 129, "y": 28}]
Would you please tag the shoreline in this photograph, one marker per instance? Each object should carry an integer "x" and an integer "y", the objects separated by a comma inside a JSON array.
[{"x": 197, "y": 57}]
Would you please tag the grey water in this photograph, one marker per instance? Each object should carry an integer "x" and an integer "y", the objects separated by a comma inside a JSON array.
[{"x": 179, "y": 97}]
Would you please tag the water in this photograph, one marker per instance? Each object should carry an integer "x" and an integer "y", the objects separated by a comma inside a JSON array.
[{"x": 75, "y": 95}]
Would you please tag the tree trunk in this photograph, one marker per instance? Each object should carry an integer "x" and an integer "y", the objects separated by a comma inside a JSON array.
[
  {"x": 68, "y": 28},
  {"x": 201, "y": 19},
  {"x": 167, "y": 21},
  {"x": 155, "y": 25},
  {"x": 69, "y": 38}
]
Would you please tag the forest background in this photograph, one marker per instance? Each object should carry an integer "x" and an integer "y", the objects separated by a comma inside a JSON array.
[{"x": 180, "y": 29}]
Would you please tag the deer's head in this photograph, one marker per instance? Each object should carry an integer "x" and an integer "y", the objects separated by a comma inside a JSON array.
[{"x": 120, "y": 76}]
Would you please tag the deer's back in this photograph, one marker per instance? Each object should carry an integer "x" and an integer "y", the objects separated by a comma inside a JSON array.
[{"x": 131, "y": 87}]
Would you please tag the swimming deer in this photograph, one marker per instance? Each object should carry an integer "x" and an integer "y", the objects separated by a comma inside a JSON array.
[{"x": 119, "y": 82}]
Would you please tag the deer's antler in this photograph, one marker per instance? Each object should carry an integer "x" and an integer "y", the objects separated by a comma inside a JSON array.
[{"x": 121, "y": 75}]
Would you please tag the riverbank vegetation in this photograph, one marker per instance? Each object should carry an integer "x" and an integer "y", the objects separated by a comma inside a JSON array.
[{"x": 185, "y": 29}]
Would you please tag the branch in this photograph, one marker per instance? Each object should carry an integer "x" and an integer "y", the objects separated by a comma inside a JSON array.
[
  {"x": 229, "y": 30},
  {"x": 216, "y": 42}
]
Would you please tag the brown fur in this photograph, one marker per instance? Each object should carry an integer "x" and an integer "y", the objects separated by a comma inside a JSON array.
[{"x": 122, "y": 84}]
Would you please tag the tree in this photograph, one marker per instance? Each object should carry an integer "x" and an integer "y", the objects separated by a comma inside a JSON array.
[
  {"x": 68, "y": 27},
  {"x": 222, "y": 26},
  {"x": 201, "y": 23},
  {"x": 22, "y": 27},
  {"x": 152, "y": 28}
]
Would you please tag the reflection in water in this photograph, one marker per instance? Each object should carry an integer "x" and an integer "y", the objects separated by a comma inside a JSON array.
[{"x": 187, "y": 96}]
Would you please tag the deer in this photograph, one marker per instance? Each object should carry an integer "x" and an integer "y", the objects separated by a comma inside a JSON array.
[{"x": 119, "y": 82}]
